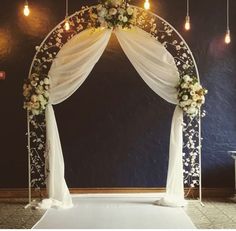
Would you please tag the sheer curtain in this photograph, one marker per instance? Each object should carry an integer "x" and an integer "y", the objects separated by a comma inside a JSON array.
[
  {"x": 72, "y": 66},
  {"x": 69, "y": 70},
  {"x": 157, "y": 68}
]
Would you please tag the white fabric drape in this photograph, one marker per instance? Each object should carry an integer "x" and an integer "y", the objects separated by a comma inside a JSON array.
[
  {"x": 72, "y": 66},
  {"x": 157, "y": 68},
  {"x": 69, "y": 70}
]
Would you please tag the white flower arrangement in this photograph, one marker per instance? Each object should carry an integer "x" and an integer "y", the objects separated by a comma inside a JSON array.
[
  {"x": 35, "y": 91},
  {"x": 113, "y": 13},
  {"x": 191, "y": 95}
]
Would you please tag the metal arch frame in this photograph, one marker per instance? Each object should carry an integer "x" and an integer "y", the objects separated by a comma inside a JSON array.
[
  {"x": 30, "y": 202},
  {"x": 199, "y": 114}
]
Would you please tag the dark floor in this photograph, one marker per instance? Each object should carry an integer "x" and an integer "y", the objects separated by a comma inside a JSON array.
[{"x": 216, "y": 214}]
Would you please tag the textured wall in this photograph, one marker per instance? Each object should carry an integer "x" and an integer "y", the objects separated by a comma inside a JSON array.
[{"x": 115, "y": 130}]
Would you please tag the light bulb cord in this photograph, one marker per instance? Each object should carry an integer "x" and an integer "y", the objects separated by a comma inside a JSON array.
[
  {"x": 227, "y": 15},
  {"x": 67, "y": 8},
  {"x": 188, "y": 8}
]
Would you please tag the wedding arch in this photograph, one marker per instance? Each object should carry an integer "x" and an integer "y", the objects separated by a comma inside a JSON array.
[{"x": 64, "y": 60}]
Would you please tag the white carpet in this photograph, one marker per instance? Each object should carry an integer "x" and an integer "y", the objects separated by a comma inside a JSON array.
[{"x": 115, "y": 213}]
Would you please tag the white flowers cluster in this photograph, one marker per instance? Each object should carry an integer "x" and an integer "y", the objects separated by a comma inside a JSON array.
[
  {"x": 191, "y": 95},
  {"x": 112, "y": 13},
  {"x": 35, "y": 91}
]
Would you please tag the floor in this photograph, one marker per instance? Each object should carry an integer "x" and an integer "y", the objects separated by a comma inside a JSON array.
[{"x": 216, "y": 214}]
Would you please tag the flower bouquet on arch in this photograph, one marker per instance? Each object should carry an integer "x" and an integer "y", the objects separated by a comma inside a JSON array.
[
  {"x": 113, "y": 13},
  {"x": 191, "y": 95},
  {"x": 35, "y": 91}
]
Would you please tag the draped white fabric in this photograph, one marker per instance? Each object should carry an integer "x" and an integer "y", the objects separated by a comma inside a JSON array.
[
  {"x": 69, "y": 70},
  {"x": 72, "y": 66},
  {"x": 157, "y": 68}
]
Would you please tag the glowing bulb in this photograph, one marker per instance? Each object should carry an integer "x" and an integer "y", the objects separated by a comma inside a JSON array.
[
  {"x": 67, "y": 25},
  {"x": 146, "y": 5},
  {"x": 26, "y": 10},
  {"x": 187, "y": 25},
  {"x": 227, "y": 37}
]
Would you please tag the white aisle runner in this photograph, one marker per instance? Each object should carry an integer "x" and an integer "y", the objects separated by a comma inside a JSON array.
[{"x": 115, "y": 213}]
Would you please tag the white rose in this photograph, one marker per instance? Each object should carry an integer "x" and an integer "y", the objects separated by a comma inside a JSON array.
[
  {"x": 188, "y": 102},
  {"x": 116, "y": 2},
  {"x": 112, "y": 11},
  {"x": 192, "y": 110},
  {"x": 102, "y": 12},
  {"x": 184, "y": 97},
  {"x": 34, "y": 83},
  {"x": 178, "y": 47},
  {"x": 130, "y": 11},
  {"x": 46, "y": 94},
  {"x": 35, "y": 112},
  {"x": 193, "y": 104},
  {"x": 104, "y": 24},
  {"x": 197, "y": 87},
  {"x": 46, "y": 81},
  {"x": 38, "y": 91},
  {"x": 121, "y": 11},
  {"x": 182, "y": 104},
  {"x": 195, "y": 98},
  {"x": 184, "y": 85},
  {"x": 41, "y": 98},
  {"x": 25, "y": 93},
  {"x": 36, "y": 105},
  {"x": 99, "y": 7},
  {"x": 109, "y": 17},
  {"x": 101, "y": 20},
  {"x": 120, "y": 17},
  {"x": 34, "y": 98},
  {"x": 187, "y": 78},
  {"x": 125, "y": 19}
]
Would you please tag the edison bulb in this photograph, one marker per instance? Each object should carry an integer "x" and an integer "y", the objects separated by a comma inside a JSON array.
[
  {"x": 67, "y": 25},
  {"x": 187, "y": 25},
  {"x": 146, "y": 5},
  {"x": 26, "y": 10},
  {"x": 227, "y": 37}
]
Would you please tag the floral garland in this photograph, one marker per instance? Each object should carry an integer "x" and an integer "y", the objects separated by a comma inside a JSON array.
[
  {"x": 113, "y": 13},
  {"x": 35, "y": 91},
  {"x": 191, "y": 95}
]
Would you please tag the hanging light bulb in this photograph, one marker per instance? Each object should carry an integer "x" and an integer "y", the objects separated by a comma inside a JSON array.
[
  {"x": 227, "y": 35},
  {"x": 26, "y": 9},
  {"x": 67, "y": 25},
  {"x": 146, "y": 5},
  {"x": 187, "y": 25},
  {"x": 67, "y": 22}
]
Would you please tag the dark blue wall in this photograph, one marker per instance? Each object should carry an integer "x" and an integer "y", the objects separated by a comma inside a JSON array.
[{"x": 115, "y": 130}]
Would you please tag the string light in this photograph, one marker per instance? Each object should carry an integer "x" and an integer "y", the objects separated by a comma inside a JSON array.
[
  {"x": 146, "y": 5},
  {"x": 67, "y": 22},
  {"x": 227, "y": 35},
  {"x": 187, "y": 25},
  {"x": 26, "y": 9}
]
